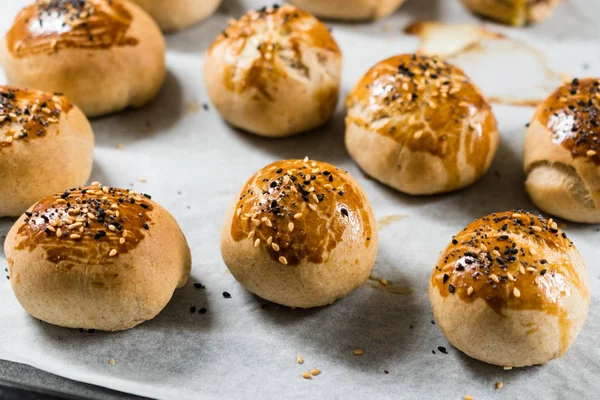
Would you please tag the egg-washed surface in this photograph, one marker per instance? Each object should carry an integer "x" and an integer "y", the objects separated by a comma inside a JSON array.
[
  {"x": 27, "y": 114},
  {"x": 572, "y": 114},
  {"x": 263, "y": 43},
  {"x": 299, "y": 210},
  {"x": 87, "y": 225},
  {"x": 428, "y": 106},
  {"x": 51, "y": 25},
  {"x": 512, "y": 260}
]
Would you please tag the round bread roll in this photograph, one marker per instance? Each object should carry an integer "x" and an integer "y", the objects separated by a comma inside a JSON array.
[
  {"x": 513, "y": 12},
  {"x": 420, "y": 126},
  {"x": 510, "y": 289},
  {"x": 350, "y": 10},
  {"x": 46, "y": 145},
  {"x": 562, "y": 147},
  {"x": 172, "y": 15},
  {"x": 104, "y": 55},
  {"x": 274, "y": 72},
  {"x": 96, "y": 257},
  {"x": 300, "y": 233}
]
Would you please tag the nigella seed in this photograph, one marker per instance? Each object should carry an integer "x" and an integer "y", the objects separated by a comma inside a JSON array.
[
  {"x": 451, "y": 288},
  {"x": 344, "y": 212}
]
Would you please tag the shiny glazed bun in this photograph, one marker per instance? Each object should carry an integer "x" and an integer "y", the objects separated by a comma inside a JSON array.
[
  {"x": 172, "y": 15},
  {"x": 96, "y": 258},
  {"x": 351, "y": 10},
  {"x": 513, "y": 12},
  {"x": 300, "y": 233},
  {"x": 46, "y": 145},
  {"x": 104, "y": 55},
  {"x": 562, "y": 152},
  {"x": 511, "y": 289},
  {"x": 420, "y": 126},
  {"x": 274, "y": 72}
]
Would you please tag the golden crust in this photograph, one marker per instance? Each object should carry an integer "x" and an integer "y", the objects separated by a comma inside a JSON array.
[
  {"x": 513, "y": 12},
  {"x": 48, "y": 26},
  {"x": 96, "y": 258},
  {"x": 511, "y": 260},
  {"x": 350, "y": 10},
  {"x": 298, "y": 210},
  {"x": 572, "y": 116},
  {"x": 522, "y": 284},
  {"x": 425, "y": 105},
  {"x": 174, "y": 15},
  {"x": 27, "y": 114},
  {"x": 274, "y": 72}
]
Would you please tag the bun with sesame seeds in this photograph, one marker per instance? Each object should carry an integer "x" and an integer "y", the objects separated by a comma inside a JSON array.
[
  {"x": 104, "y": 55},
  {"x": 46, "y": 145},
  {"x": 511, "y": 290},
  {"x": 96, "y": 257},
  {"x": 174, "y": 15},
  {"x": 562, "y": 152},
  {"x": 301, "y": 233},
  {"x": 513, "y": 12},
  {"x": 274, "y": 72},
  {"x": 419, "y": 125},
  {"x": 350, "y": 10}
]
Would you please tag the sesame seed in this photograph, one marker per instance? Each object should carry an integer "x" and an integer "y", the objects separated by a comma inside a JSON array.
[
  {"x": 312, "y": 207},
  {"x": 275, "y": 246},
  {"x": 496, "y": 253},
  {"x": 537, "y": 228},
  {"x": 494, "y": 277},
  {"x": 517, "y": 292},
  {"x": 357, "y": 352},
  {"x": 521, "y": 269},
  {"x": 510, "y": 276},
  {"x": 590, "y": 153},
  {"x": 499, "y": 385},
  {"x": 256, "y": 242},
  {"x": 483, "y": 247},
  {"x": 470, "y": 291},
  {"x": 75, "y": 236},
  {"x": 59, "y": 232},
  {"x": 121, "y": 240},
  {"x": 306, "y": 375},
  {"x": 383, "y": 282},
  {"x": 291, "y": 226},
  {"x": 112, "y": 253},
  {"x": 270, "y": 240},
  {"x": 283, "y": 260},
  {"x": 298, "y": 215},
  {"x": 299, "y": 360},
  {"x": 315, "y": 372}
]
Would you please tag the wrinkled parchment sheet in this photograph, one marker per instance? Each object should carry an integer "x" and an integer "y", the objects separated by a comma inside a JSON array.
[{"x": 194, "y": 164}]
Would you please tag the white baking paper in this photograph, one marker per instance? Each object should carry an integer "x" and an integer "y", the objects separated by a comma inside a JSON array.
[{"x": 194, "y": 164}]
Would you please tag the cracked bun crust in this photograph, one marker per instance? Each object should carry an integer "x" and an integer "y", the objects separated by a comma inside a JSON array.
[
  {"x": 274, "y": 72},
  {"x": 96, "y": 257},
  {"x": 562, "y": 152},
  {"x": 173, "y": 15},
  {"x": 419, "y": 125},
  {"x": 510, "y": 289},
  {"x": 104, "y": 55},
  {"x": 301, "y": 233},
  {"x": 513, "y": 12},
  {"x": 46, "y": 145},
  {"x": 350, "y": 10}
]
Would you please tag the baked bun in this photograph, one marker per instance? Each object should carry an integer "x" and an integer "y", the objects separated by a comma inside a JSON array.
[
  {"x": 104, "y": 55},
  {"x": 513, "y": 12},
  {"x": 300, "y": 233},
  {"x": 350, "y": 10},
  {"x": 96, "y": 257},
  {"x": 510, "y": 289},
  {"x": 172, "y": 15},
  {"x": 420, "y": 126},
  {"x": 46, "y": 145},
  {"x": 561, "y": 153},
  {"x": 274, "y": 72}
]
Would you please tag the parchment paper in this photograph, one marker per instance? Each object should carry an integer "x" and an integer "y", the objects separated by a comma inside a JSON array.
[{"x": 194, "y": 164}]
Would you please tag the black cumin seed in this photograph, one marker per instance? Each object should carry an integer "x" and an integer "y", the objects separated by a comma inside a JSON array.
[
  {"x": 226, "y": 295},
  {"x": 344, "y": 211},
  {"x": 451, "y": 288},
  {"x": 442, "y": 349}
]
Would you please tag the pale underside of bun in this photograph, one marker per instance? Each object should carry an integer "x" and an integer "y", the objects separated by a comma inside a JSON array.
[
  {"x": 175, "y": 15},
  {"x": 557, "y": 189},
  {"x": 351, "y": 10}
]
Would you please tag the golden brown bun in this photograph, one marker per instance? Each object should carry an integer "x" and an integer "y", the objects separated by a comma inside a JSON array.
[
  {"x": 513, "y": 12},
  {"x": 510, "y": 289},
  {"x": 274, "y": 72},
  {"x": 46, "y": 145},
  {"x": 350, "y": 10},
  {"x": 105, "y": 56},
  {"x": 173, "y": 15},
  {"x": 420, "y": 126},
  {"x": 561, "y": 152},
  {"x": 96, "y": 258},
  {"x": 300, "y": 233}
]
